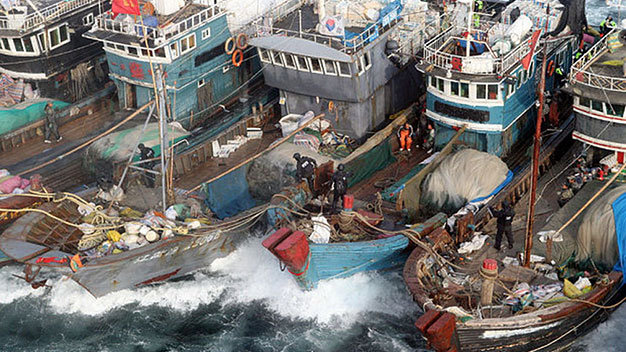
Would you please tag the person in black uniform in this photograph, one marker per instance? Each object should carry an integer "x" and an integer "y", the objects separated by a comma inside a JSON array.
[
  {"x": 505, "y": 218},
  {"x": 340, "y": 186},
  {"x": 305, "y": 169},
  {"x": 147, "y": 154},
  {"x": 51, "y": 127}
]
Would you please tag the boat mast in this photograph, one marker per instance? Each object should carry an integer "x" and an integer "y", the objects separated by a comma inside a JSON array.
[
  {"x": 163, "y": 140},
  {"x": 528, "y": 245}
]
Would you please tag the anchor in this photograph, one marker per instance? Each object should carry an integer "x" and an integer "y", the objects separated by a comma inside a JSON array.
[{"x": 30, "y": 276}]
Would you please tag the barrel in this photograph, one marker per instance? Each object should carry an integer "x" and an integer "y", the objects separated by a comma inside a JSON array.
[
  {"x": 489, "y": 272},
  {"x": 348, "y": 202}
]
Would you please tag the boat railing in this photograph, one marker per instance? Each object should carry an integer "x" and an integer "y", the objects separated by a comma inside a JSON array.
[
  {"x": 581, "y": 72},
  {"x": 160, "y": 34},
  {"x": 370, "y": 32},
  {"x": 475, "y": 64},
  {"x": 23, "y": 22}
]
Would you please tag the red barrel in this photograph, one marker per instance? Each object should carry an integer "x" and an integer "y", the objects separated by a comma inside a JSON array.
[
  {"x": 490, "y": 264},
  {"x": 348, "y": 202}
]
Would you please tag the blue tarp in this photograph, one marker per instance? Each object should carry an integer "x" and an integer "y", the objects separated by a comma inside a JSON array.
[
  {"x": 619, "y": 212},
  {"x": 229, "y": 195},
  {"x": 507, "y": 180}
]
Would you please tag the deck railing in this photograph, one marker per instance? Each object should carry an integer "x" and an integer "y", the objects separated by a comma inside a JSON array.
[
  {"x": 48, "y": 14},
  {"x": 160, "y": 34},
  {"x": 370, "y": 33},
  {"x": 581, "y": 72},
  {"x": 434, "y": 54}
]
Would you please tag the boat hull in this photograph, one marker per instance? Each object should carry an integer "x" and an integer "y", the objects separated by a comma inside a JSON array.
[{"x": 157, "y": 262}]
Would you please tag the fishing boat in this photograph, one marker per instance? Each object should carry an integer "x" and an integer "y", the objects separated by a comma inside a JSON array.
[
  {"x": 481, "y": 71},
  {"x": 345, "y": 58},
  {"x": 487, "y": 301},
  {"x": 38, "y": 239}
]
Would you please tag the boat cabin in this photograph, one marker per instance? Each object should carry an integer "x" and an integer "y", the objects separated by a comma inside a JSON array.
[
  {"x": 186, "y": 43},
  {"x": 41, "y": 42},
  {"x": 489, "y": 85},
  {"x": 345, "y": 60}
]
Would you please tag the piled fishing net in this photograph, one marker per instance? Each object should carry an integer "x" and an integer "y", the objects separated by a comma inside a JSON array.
[
  {"x": 461, "y": 177},
  {"x": 597, "y": 238}
]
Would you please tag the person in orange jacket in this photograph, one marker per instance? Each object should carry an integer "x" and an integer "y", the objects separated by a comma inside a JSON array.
[{"x": 405, "y": 134}]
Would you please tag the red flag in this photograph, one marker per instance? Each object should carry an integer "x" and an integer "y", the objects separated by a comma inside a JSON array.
[
  {"x": 533, "y": 45},
  {"x": 130, "y": 7}
]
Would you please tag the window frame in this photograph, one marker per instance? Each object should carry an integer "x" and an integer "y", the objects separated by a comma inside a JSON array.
[
  {"x": 174, "y": 50},
  {"x": 441, "y": 85},
  {"x": 467, "y": 86},
  {"x": 345, "y": 65},
  {"x": 593, "y": 107},
  {"x": 268, "y": 58},
  {"x": 458, "y": 88},
  {"x": 61, "y": 42},
  {"x": 311, "y": 65},
  {"x": 306, "y": 62},
  {"x": 489, "y": 88},
  {"x": 274, "y": 55},
  {"x": 293, "y": 59},
  {"x": 478, "y": 91},
  {"x": 201, "y": 83},
  {"x": 334, "y": 66},
  {"x": 88, "y": 19},
  {"x": 189, "y": 47},
  {"x": 206, "y": 33},
  {"x": 623, "y": 108}
]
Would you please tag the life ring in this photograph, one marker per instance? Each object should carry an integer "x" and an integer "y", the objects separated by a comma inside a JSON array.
[
  {"x": 331, "y": 106},
  {"x": 551, "y": 68},
  {"x": 230, "y": 46},
  {"x": 242, "y": 41},
  {"x": 237, "y": 58}
]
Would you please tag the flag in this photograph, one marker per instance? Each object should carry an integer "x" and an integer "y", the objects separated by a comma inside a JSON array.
[
  {"x": 533, "y": 44},
  {"x": 130, "y": 7}
]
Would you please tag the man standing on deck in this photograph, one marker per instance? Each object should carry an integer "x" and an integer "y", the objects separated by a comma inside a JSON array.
[
  {"x": 429, "y": 141},
  {"x": 147, "y": 154},
  {"x": 559, "y": 77},
  {"x": 607, "y": 25},
  {"x": 305, "y": 168},
  {"x": 405, "y": 134},
  {"x": 50, "y": 124},
  {"x": 505, "y": 219},
  {"x": 340, "y": 186}
]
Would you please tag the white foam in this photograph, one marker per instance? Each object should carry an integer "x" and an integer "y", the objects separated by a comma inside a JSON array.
[
  {"x": 13, "y": 288},
  {"x": 255, "y": 275}
]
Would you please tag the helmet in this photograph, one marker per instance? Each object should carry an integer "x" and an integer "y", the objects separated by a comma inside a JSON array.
[
  {"x": 141, "y": 146},
  {"x": 340, "y": 167},
  {"x": 296, "y": 156}
]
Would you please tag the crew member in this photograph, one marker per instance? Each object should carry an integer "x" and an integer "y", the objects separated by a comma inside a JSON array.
[
  {"x": 607, "y": 25},
  {"x": 565, "y": 195},
  {"x": 405, "y": 134},
  {"x": 50, "y": 126},
  {"x": 305, "y": 169},
  {"x": 429, "y": 141},
  {"x": 478, "y": 6},
  {"x": 559, "y": 76},
  {"x": 340, "y": 186},
  {"x": 147, "y": 154},
  {"x": 505, "y": 218}
]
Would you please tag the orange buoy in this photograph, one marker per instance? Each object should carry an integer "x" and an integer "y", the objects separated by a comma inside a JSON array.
[
  {"x": 551, "y": 68},
  {"x": 237, "y": 57},
  {"x": 242, "y": 41}
]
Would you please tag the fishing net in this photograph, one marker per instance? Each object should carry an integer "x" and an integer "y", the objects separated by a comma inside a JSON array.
[
  {"x": 461, "y": 177},
  {"x": 597, "y": 237}
]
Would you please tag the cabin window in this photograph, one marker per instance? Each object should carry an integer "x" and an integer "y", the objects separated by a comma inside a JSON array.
[
  {"x": 367, "y": 61},
  {"x": 264, "y": 55},
  {"x": 492, "y": 92},
  {"x": 303, "y": 64},
  {"x": 511, "y": 89},
  {"x": 329, "y": 67},
  {"x": 1, "y": 45},
  {"x": 359, "y": 66},
  {"x": 132, "y": 51},
  {"x": 5, "y": 42},
  {"x": 519, "y": 79},
  {"x": 196, "y": 20},
  {"x": 109, "y": 45},
  {"x": 524, "y": 76},
  {"x": 277, "y": 58},
  {"x": 433, "y": 81},
  {"x": 316, "y": 65},
  {"x": 42, "y": 42},
  {"x": 290, "y": 61},
  {"x": 465, "y": 90},
  {"x": 531, "y": 69},
  {"x": 454, "y": 88},
  {"x": 585, "y": 102},
  {"x": 481, "y": 91},
  {"x": 17, "y": 43},
  {"x": 189, "y": 23},
  {"x": 201, "y": 82},
  {"x": 160, "y": 52},
  {"x": 174, "y": 50},
  {"x": 618, "y": 110},
  {"x": 88, "y": 20},
  {"x": 203, "y": 16},
  {"x": 344, "y": 69},
  {"x": 187, "y": 44},
  {"x": 144, "y": 52},
  {"x": 120, "y": 47},
  {"x": 206, "y": 33},
  {"x": 440, "y": 84},
  {"x": 597, "y": 106},
  {"x": 58, "y": 36}
]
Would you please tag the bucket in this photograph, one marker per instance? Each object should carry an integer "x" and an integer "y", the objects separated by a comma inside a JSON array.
[
  {"x": 289, "y": 123},
  {"x": 348, "y": 202}
]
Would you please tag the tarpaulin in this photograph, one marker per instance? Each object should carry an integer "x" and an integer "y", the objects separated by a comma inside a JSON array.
[
  {"x": 23, "y": 114},
  {"x": 619, "y": 212},
  {"x": 364, "y": 166},
  {"x": 229, "y": 195},
  {"x": 507, "y": 180}
]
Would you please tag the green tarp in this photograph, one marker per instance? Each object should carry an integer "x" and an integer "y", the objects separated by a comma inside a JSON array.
[
  {"x": 365, "y": 165},
  {"x": 23, "y": 114},
  {"x": 390, "y": 194}
]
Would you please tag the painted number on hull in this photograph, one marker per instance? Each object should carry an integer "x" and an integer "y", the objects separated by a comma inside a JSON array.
[{"x": 198, "y": 242}]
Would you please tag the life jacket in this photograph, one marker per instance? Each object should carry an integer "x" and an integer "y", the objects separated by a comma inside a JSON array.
[{"x": 76, "y": 263}]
